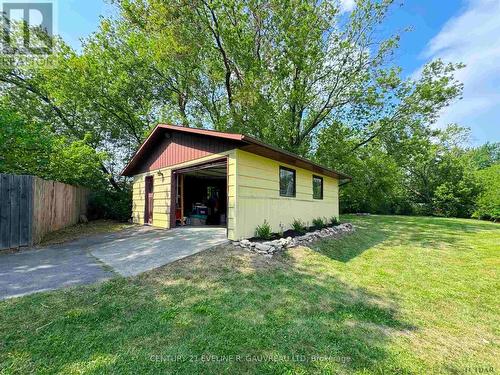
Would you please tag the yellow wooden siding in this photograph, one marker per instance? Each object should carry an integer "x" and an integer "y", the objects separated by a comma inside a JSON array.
[
  {"x": 138, "y": 199},
  {"x": 162, "y": 192},
  {"x": 161, "y": 199},
  {"x": 258, "y": 198}
]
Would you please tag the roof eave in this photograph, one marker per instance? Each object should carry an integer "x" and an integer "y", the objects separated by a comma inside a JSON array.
[
  {"x": 255, "y": 141},
  {"x": 209, "y": 133}
]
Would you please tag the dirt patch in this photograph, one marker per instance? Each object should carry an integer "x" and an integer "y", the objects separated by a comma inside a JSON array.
[{"x": 83, "y": 230}]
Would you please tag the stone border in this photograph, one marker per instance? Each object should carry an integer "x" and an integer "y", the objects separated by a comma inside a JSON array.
[{"x": 271, "y": 247}]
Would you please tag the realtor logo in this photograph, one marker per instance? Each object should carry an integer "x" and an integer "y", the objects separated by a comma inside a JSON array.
[{"x": 27, "y": 27}]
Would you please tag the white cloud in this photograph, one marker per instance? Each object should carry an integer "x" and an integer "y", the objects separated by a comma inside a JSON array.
[
  {"x": 473, "y": 37},
  {"x": 347, "y": 5}
]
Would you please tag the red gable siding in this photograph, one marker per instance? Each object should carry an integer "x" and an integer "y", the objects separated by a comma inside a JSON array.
[{"x": 182, "y": 147}]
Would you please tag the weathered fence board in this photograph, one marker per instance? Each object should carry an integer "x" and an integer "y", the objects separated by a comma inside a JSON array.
[
  {"x": 15, "y": 211},
  {"x": 31, "y": 207},
  {"x": 55, "y": 206},
  {"x": 15, "y": 196},
  {"x": 4, "y": 211},
  {"x": 26, "y": 210}
]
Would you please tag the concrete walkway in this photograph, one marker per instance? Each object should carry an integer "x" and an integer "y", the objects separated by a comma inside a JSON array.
[
  {"x": 154, "y": 248},
  {"x": 101, "y": 257}
]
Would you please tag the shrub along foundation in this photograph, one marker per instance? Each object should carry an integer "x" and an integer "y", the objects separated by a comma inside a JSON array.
[{"x": 284, "y": 242}]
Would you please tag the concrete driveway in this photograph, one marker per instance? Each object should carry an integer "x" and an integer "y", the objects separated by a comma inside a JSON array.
[{"x": 101, "y": 257}]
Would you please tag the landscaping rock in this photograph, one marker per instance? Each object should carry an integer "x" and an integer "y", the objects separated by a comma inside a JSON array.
[
  {"x": 271, "y": 247},
  {"x": 262, "y": 247}
]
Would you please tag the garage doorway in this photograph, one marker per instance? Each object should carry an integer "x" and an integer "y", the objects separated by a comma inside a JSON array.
[{"x": 200, "y": 195}]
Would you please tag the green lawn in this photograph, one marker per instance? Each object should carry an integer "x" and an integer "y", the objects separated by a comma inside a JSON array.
[{"x": 401, "y": 295}]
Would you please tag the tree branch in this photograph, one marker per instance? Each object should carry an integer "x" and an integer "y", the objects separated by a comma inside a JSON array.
[{"x": 24, "y": 84}]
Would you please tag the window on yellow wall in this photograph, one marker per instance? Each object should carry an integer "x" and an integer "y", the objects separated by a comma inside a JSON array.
[
  {"x": 287, "y": 182},
  {"x": 317, "y": 187}
]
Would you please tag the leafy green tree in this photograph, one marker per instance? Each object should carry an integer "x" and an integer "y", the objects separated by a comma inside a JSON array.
[
  {"x": 89, "y": 97},
  {"x": 281, "y": 71},
  {"x": 488, "y": 203},
  {"x": 23, "y": 146},
  {"x": 377, "y": 179},
  {"x": 485, "y": 155},
  {"x": 438, "y": 174},
  {"x": 32, "y": 149}
]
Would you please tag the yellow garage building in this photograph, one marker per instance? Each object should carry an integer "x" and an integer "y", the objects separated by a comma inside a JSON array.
[{"x": 187, "y": 176}]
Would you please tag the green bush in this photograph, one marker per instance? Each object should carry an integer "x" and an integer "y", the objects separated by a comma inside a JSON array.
[
  {"x": 319, "y": 223},
  {"x": 334, "y": 221},
  {"x": 488, "y": 202},
  {"x": 299, "y": 226},
  {"x": 456, "y": 199},
  {"x": 111, "y": 204},
  {"x": 263, "y": 231}
]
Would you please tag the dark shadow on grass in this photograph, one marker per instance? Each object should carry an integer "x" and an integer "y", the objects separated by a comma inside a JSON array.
[
  {"x": 425, "y": 232},
  {"x": 434, "y": 233},
  {"x": 350, "y": 246},
  {"x": 243, "y": 313}
]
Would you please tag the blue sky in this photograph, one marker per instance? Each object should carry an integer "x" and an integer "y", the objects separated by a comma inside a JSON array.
[{"x": 455, "y": 30}]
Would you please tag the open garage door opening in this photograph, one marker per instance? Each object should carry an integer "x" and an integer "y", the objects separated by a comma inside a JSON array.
[{"x": 201, "y": 195}]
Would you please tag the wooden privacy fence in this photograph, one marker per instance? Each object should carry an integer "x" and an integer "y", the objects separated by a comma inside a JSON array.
[{"x": 31, "y": 207}]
